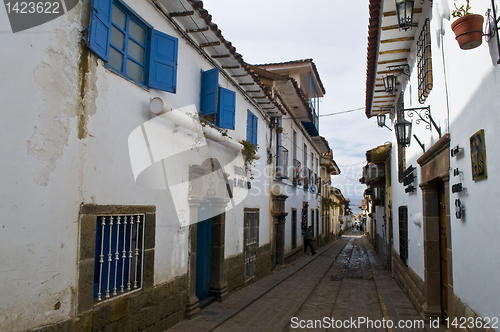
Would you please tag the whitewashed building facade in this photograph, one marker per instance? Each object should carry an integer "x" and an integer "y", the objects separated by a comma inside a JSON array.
[
  {"x": 126, "y": 200},
  {"x": 443, "y": 184}
]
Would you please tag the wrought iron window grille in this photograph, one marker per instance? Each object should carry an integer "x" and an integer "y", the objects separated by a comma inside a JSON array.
[{"x": 424, "y": 63}]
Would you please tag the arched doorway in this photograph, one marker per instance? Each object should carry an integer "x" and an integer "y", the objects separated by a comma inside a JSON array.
[{"x": 208, "y": 197}]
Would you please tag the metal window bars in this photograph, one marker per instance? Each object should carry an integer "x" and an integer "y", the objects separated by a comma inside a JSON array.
[
  {"x": 297, "y": 170},
  {"x": 307, "y": 177},
  {"x": 424, "y": 62},
  {"x": 120, "y": 238}
]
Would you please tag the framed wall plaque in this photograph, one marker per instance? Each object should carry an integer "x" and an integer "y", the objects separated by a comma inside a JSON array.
[{"x": 478, "y": 156}]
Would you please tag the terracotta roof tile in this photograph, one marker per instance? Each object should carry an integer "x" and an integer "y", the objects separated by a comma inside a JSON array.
[
  {"x": 372, "y": 51},
  {"x": 198, "y": 6}
]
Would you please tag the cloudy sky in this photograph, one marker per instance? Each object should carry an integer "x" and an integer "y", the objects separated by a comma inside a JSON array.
[{"x": 334, "y": 34}]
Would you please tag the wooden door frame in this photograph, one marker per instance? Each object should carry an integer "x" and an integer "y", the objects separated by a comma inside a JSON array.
[{"x": 434, "y": 170}]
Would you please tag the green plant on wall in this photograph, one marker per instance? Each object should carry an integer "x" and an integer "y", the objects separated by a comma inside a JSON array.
[
  {"x": 206, "y": 122},
  {"x": 462, "y": 10},
  {"x": 249, "y": 154}
]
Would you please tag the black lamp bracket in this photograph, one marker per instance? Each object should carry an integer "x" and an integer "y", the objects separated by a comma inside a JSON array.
[
  {"x": 386, "y": 127},
  {"x": 401, "y": 69},
  {"x": 492, "y": 26},
  {"x": 424, "y": 114}
]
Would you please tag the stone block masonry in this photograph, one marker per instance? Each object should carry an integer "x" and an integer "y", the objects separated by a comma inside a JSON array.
[{"x": 151, "y": 310}]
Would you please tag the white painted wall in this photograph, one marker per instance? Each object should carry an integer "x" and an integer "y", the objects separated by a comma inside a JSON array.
[
  {"x": 296, "y": 194},
  {"x": 49, "y": 171},
  {"x": 474, "y": 99},
  {"x": 464, "y": 99},
  {"x": 38, "y": 251}
]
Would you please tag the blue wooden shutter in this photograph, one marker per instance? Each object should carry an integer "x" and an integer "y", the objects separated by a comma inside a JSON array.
[
  {"x": 100, "y": 28},
  {"x": 249, "y": 126},
  {"x": 254, "y": 137},
  {"x": 252, "y": 121},
  {"x": 209, "y": 91},
  {"x": 163, "y": 62},
  {"x": 227, "y": 108}
]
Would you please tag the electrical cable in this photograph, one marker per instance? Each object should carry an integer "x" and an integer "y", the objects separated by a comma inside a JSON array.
[{"x": 348, "y": 111}]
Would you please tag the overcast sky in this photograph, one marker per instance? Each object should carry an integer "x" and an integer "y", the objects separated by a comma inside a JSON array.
[{"x": 334, "y": 34}]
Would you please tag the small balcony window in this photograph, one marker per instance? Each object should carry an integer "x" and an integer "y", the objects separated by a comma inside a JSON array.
[
  {"x": 297, "y": 170},
  {"x": 281, "y": 162}
]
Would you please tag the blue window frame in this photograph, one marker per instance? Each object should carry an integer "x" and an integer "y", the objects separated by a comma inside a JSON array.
[
  {"x": 252, "y": 122},
  {"x": 130, "y": 46},
  {"x": 217, "y": 105}
]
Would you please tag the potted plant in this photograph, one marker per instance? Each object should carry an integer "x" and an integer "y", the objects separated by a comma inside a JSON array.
[{"x": 468, "y": 28}]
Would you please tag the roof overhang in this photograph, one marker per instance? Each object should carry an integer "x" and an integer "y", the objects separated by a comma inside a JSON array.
[
  {"x": 379, "y": 154},
  {"x": 304, "y": 64},
  {"x": 387, "y": 46},
  {"x": 195, "y": 24}
]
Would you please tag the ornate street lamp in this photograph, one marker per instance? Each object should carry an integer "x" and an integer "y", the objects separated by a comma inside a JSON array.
[
  {"x": 390, "y": 83},
  {"x": 403, "y": 132},
  {"x": 404, "y": 9}
]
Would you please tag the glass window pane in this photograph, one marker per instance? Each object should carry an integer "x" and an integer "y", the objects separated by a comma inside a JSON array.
[
  {"x": 134, "y": 71},
  {"x": 115, "y": 59},
  {"x": 137, "y": 32},
  {"x": 119, "y": 17},
  {"x": 117, "y": 38},
  {"x": 135, "y": 51}
]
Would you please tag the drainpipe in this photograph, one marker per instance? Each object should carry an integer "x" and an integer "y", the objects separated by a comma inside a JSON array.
[{"x": 161, "y": 108}]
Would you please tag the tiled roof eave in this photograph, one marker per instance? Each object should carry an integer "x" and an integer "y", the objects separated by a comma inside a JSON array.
[
  {"x": 197, "y": 6},
  {"x": 372, "y": 52}
]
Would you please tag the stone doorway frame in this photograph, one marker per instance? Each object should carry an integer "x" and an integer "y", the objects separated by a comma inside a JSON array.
[
  {"x": 212, "y": 190},
  {"x": 434, "y": 170}
]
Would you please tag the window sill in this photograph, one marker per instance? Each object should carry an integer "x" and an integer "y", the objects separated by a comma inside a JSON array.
[{"x": 113, "y": 70}]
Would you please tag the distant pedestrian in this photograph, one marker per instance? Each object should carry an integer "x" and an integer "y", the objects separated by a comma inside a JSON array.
[
  {"x": 357, "y": 227},
  {"x": 308, "y": 238}
]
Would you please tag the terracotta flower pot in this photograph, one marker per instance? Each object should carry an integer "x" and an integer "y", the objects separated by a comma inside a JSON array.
[{"x": 468, "y": 31}]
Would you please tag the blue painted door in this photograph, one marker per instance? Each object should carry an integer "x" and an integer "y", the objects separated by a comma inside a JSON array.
[{"x": 203, "y": 257}]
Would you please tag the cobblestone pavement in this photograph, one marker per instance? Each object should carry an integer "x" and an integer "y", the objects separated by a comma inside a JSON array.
[{"x": 345, "y": 282}]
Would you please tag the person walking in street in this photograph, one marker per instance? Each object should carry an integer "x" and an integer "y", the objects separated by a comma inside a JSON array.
[{"x": 308, "y": 238}]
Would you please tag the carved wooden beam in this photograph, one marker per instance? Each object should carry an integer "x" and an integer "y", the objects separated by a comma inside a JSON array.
[
  {"x": 216, "y": 43},
  {"x": 217, "y": 56},
  {"x": 177, "y": 14},
  {"x": 197, "y": 30}
]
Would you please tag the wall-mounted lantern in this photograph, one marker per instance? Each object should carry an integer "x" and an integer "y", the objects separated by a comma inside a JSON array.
[
  {"x": 381, "y": 121},
  {"x": 404, "y": 9},
  {"x": 403, "y": 128},
  {"x": 403, "y": 132},
  {"x": 390, "y": 83}
]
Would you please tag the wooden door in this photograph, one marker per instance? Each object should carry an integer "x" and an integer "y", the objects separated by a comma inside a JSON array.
[{"x": 203, "y": 258}]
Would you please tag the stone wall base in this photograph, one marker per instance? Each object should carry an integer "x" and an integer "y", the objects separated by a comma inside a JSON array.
[
  {"x": 153, "y": 310},
  {"x": 459, "y": 310},
  {"x": 409, "y": 281},
  {"x": 294, "y": 254},
  {"x": 235, "y": 268}
]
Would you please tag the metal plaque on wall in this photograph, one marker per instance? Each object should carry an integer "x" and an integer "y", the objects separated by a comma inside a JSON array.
[{"x": 478, "y": 156}]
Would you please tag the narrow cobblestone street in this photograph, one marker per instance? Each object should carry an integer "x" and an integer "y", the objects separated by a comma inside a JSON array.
[{"x": 344, "y": 281}]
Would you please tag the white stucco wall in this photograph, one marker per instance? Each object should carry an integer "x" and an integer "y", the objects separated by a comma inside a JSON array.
[
  {"x": 474, "y": 97},
  {"x": 464, "y": 99},
  {"x": 296, "y": 194},
  {"x": 59, "y": 158},
  {"x": 41, "y": 156}
]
